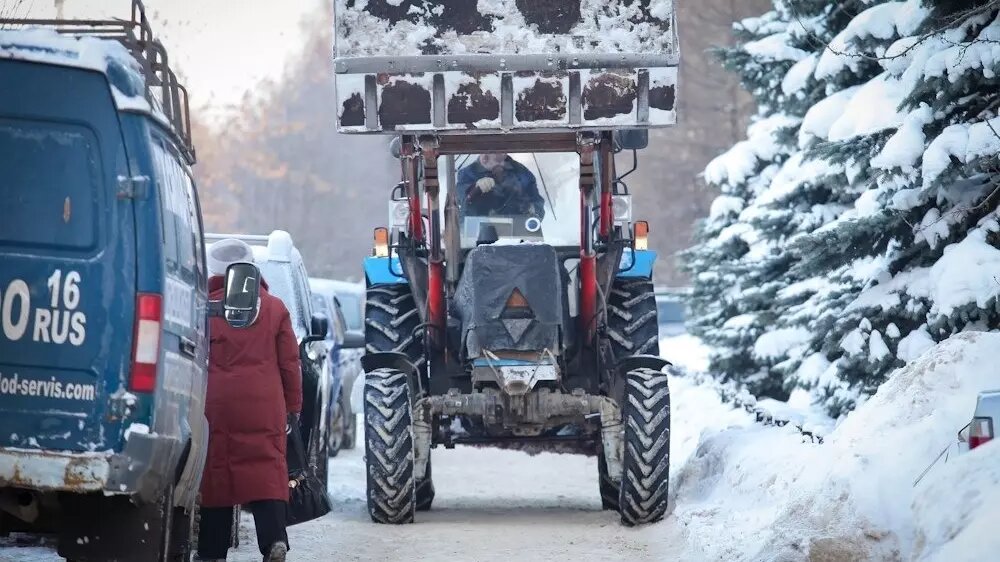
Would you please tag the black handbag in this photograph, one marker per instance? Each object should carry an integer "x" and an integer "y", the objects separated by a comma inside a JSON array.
[{"x": 307, "y": 498}]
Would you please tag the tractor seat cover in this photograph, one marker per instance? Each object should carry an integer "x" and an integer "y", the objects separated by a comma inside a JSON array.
[{"x": 491, "y": 276}]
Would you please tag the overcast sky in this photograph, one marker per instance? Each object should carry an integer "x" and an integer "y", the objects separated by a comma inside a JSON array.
[{"x": 223, "y": 48}]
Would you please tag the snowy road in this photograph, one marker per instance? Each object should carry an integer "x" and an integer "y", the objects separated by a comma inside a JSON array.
[
  {"x": 490, "y": 505},
  {"x": 494, "y": 505}
]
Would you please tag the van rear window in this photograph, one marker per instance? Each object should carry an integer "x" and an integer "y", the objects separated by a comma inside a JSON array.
[{"x": 50, "y": 179}]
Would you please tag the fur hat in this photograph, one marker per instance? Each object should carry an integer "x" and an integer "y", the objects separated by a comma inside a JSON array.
[{"x": 224, "y": 253}]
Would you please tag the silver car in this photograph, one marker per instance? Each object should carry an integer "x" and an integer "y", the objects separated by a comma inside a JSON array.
[{"x": 348, "y": 300}]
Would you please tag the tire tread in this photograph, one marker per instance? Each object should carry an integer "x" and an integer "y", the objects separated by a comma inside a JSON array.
[
  {"x": 389, "y": 447},
  {"x": 633, "y": 328},
  {"x": 646, "y": 467}
]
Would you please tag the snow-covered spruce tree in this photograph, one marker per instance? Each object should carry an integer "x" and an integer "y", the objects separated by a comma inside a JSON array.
[
  {"x": 741, "y": 265},
  {"x": 858, "y": 224},
  {"x": 723, "y": 319},
  {"x": 914, "y": 259},
  {"x": 836, "y": 152},
  {"x": 808, "y": 192}
]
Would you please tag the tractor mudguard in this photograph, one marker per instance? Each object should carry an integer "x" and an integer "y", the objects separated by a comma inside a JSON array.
[
  {"x": 641, "y": 362},
  {"x": 636, "y": 264},
  {"x": 384, "y": 271}
]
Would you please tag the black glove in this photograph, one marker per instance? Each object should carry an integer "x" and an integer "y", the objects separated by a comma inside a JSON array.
[{"x": 292, "y": 421}]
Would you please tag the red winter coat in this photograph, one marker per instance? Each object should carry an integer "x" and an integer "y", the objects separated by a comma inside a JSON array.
[{"x": 254, "y": 380}]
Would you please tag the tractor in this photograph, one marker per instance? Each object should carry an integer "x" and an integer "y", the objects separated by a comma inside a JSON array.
[{"x": 520, "y": 326}]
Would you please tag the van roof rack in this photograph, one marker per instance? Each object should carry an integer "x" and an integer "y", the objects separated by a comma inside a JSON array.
[{"x": 163, "y": 90}]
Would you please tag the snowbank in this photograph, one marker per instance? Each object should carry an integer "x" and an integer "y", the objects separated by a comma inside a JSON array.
[
  {"x": 686, "y": 352},
  {"x": 756, "y": 493},
  {"x": 958, "y": 509}
]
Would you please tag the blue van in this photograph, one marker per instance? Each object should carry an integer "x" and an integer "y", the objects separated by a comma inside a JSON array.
[{"x": 103, "y": 347}]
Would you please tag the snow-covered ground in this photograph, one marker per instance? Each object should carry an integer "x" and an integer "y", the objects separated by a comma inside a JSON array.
[
  {"x": 760, "y": 493},
  {"x": 741, "y": 491},
  {"x": 490, "y": 505},
  {"x": 506, "y": 505}
]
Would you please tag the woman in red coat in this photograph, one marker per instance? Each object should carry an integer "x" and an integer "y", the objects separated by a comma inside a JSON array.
[{"x": 254, "y": 389}]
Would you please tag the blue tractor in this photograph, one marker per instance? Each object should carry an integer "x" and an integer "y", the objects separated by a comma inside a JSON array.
[{"x": 510, "y": 300}]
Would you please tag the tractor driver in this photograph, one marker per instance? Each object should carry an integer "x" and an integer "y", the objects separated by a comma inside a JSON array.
[{"x": 496, "y": 184}]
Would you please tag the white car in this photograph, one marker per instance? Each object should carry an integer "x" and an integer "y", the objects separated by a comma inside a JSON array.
[
  {"x": 283, "y": 270},
  {"x": 982, "y": 428}
]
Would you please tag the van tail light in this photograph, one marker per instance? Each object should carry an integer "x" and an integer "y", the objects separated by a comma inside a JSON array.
[
  {"x": 980, "y": 431},
  {"x": 146, "y": 342}
]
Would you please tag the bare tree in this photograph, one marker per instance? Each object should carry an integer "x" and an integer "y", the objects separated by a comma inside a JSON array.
[{"x": 280, "y": 164}]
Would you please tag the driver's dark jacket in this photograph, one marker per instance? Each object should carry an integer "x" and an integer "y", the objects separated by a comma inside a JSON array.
[{"x": 515, "y": 192}]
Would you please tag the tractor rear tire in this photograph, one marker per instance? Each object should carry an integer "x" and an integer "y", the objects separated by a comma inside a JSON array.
[
  {"x": 610, "y": 489},
  {"x": 392, "y": 322},
  {"x": 632, "y": 324},
  {"x": 646, "y": 463},
  {"x": 389, "y": 454}
]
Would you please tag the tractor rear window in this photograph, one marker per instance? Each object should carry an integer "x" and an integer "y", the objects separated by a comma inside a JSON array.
[
  {"x": 50, "y": 178},
  {"x": 528, "y": 197}
]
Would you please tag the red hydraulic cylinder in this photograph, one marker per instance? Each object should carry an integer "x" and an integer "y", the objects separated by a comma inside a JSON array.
[
  {"x": 436, "y": 306},
  {"x": 588, "y": 296},
  {"x": 588, "y": 257},
  {"x": 606, "y": 214},
  {"x": 607, "y": 181},
  {"x": 410, "y": 173},
  {"x": 435, "y": 303}
]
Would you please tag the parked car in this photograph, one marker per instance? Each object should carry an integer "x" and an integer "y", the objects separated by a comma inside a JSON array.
[
  {"x": 671, "y": 309},
  {"x": 985, "y": 419},
  {"x": 352, "y": 299},
  {"x": 284, "y": 272},
  {"x": 343, "y": 366},
  {"x": 103, "y": 347}
]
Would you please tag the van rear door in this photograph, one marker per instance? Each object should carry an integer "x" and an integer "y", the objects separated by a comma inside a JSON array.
[{"x": 67, "y": 249}]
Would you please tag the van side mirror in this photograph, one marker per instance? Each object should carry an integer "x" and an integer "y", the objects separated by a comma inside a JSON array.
[
  {"x": 241, "y": 301},
  {"x": 319, "y": 327},
  {"x": 632, "y": 139}
]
